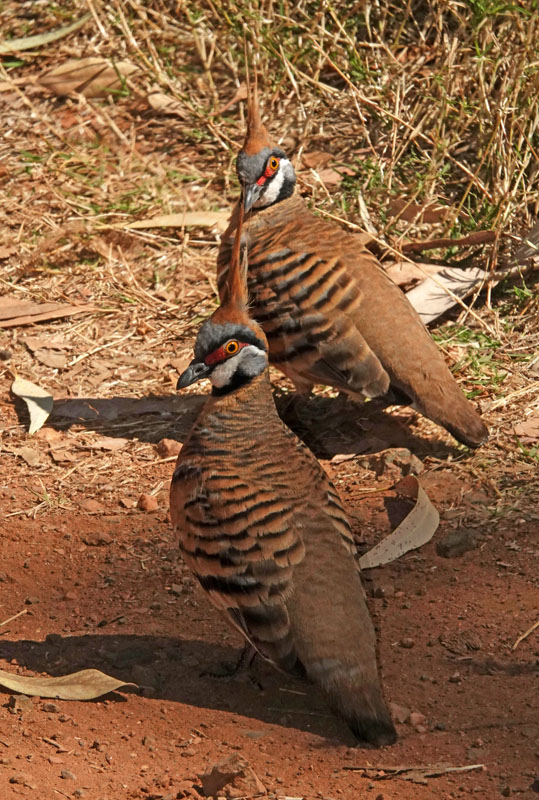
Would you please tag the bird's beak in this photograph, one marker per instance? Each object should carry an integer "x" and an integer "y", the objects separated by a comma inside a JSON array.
[
  {"x": 251, "y": 194},
  {"x": 196, "y": 371}
]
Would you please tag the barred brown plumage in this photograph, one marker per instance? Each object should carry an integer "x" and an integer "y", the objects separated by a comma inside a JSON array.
[
  {"x": 329, "y": 311},
  {"x": 264, "y": 531}
]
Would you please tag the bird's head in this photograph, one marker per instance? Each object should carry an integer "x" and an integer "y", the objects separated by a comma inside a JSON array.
[
  {"x": 229, "y": 353},
  {"x": 265, "y": 173}
]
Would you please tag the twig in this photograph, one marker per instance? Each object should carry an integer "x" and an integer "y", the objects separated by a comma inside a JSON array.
[
  {"x": 98, "y": 349},
  {"x": 10, "y": 619},
  {"x": 525, "y": 634}
]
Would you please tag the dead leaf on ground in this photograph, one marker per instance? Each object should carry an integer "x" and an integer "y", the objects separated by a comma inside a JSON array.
[
  {"x": 60, "y": 455},
  {"x": 14, "y": 312},
  {"x": 29, "y": 455},
  {"x": 92, "y": 77},
  {"x": 29, "y": 42},
  {"x": 415, "y": 530},
  {"x": 200, "y": 219},
  {"x": 87, "y": 684},
  {"x": 34, "y": 343},
  {"x": 435, "y": 295},
  {"x": 430, "y": 213},
  {"x": 6, "y": 251},
  {"x": 330, "y": 177},
  {"x": 51, "y": 358},
  {"x": 317, "y": 158},
  {"x": 528, "y": 430},
  {"x": 404, "y": 273},
  {"x": 109, "y": 443},
  {"x": 241, "y": 94},
  {"x": 39, "y": 402},
  {"x": 166, "y": 104}
]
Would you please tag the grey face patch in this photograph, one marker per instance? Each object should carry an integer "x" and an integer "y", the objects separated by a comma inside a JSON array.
[
  {"x": 212, "y": 335},
  {"x": 250, "y": 168}
]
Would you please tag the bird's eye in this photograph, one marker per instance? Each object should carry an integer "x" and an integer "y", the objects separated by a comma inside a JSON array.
[
  {"x": 274, "y": 163},
  {"x": 232, "y": 347}
]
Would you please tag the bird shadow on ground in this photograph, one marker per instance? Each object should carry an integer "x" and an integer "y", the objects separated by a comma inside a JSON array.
[
  {"x": 175, "y": 670},
  {"x": 326, "y": 425}
]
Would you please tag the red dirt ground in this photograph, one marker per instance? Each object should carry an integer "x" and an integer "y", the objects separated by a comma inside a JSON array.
[{"x": 107, "y": 590}]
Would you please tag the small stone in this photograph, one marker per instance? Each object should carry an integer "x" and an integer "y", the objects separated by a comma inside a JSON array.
[
  {"x": 234, "y": 773},
  {"x": 407, "y": 643},
  {"x": 456, "y": 543},
  {"x": 20, "y": 703},
  {"x": 5, "y": 355},
  {"x": 31, "y": 601},
  {"x": 455, "y": 678},
  {"x": 176, "y": 589},
  {"x": 167, "y": 448},
  {"x": 79, "y": 793},
  {"x": 97, "y": 539},
  {"x": 3, "y": 577},
  {"x": 383, "y": 590},
  {"x": 399, "y": 713},
  {"x": 420, "y": 728},
  {"x": 66, "y": 775},
  {"x": 440, "y": 726},
  {"x": 91, "y": 506},
  {"x": 147, "y": 502},
  {"x": 50, "y": 708},
  {"x": 535, "y": 786},
  {"x": 19, "y": 778},
  {"x": 417, "y": 719},
  {"x": 506, "y": 791}
]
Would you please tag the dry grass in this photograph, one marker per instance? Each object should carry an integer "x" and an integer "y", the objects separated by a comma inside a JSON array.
[{"x": 423, "y": 103}]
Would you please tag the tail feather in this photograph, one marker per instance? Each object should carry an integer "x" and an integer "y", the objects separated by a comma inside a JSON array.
[{"x": 356, "y": 699}]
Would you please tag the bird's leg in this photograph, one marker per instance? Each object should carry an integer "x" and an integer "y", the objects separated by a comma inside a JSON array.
[{"x": 240, "y": 670}]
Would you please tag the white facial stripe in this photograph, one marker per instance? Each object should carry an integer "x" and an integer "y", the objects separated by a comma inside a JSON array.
[
  {"x": 223, "y": 373},
  {"x": 274, "y": 186}
]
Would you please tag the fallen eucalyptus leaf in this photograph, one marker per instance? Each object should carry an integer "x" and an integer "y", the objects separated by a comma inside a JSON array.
[
  {"x": 29, "y": 455},
  {"x": 87, "y": 684},
  {"x": 435, "y": 295},
  {"x": 92, "y": 77},
  {"x": 201, "y": 219},
  {"x": 416, "y": 528},
  {"x": 38, "y": 401},
  {"x": 29, "y": 42}
]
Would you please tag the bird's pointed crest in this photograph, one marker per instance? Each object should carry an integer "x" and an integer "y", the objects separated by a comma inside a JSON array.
[
  {"x": 257, "y": 136},
  {"x": 234, "y": 305}
]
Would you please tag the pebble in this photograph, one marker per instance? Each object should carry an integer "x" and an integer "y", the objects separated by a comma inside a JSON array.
[
  {"x": 20, "y": 703},
  {"x": 456, "y": 543},
  {"x": 50, "y": 708},
  {"x": 147, "y": 502},
  {"x": 417, "y": 719},
  {"x": 66, "y": 775},
  {"x": 97, "y": 539},
  {"x": 407, "y": 643},
  {"x": 400, "y": 713},
  {"x": 167, "y": 448},
  {"x": 92, "y": 506}
]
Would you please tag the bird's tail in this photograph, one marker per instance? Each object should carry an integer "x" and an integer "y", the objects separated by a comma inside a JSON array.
[{"x": 356, "y": 698}]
